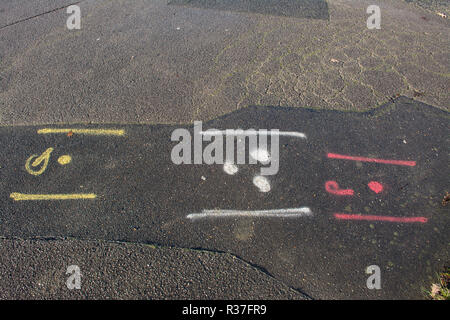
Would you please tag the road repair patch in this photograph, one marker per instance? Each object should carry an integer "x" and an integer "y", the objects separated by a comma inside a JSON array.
[
  {"x": 352, "y": 190},
  {"x": 311, "y": 9}
]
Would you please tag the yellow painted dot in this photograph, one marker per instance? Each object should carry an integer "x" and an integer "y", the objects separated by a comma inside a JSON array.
[{"x": 63, "y": 160}]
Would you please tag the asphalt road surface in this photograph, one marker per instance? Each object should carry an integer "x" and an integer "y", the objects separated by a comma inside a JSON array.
[
  {"x": 87, "y": 178},
  {"x": 367, "y": 193}
]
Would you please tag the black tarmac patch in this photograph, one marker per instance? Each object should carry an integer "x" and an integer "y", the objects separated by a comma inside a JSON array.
[
  {"x": 312, "y": 9},
  {"x": 373, "y": 183}
]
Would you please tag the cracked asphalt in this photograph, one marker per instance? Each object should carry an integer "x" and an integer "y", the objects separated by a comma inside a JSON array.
[
  {"x": 159, "y": 63},
  {"x": 145, "y": 64}
]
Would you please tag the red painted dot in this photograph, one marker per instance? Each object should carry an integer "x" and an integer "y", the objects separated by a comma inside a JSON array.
[{"x": 375, "y": 186}]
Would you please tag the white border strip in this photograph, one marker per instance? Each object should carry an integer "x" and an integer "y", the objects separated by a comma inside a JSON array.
[
  {"x": 276, "y": 213},
  {"x": 233, "y": 132}
]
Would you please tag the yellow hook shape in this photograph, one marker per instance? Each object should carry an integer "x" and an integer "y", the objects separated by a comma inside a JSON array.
[{"x": 45, "y": 157}]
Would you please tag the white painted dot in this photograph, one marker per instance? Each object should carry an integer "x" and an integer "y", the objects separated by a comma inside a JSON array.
[
  {"x": 260, "y": 155},
  {"x": 262, "y": 183},
  {"x": 230, "y": 168}
]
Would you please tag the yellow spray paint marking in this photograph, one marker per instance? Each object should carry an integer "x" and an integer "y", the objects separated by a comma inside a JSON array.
[
  {"x": 45, "y": 157},
  {"x": 95, "y": 132},
  {"x": 75, "y": 196},
  {"x": 63, "y": 160}
]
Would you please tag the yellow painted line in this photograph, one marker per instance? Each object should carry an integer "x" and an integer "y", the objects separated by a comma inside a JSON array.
[
  {"x": 95, "y": 132},
  {"x": 76, "y": 196}
]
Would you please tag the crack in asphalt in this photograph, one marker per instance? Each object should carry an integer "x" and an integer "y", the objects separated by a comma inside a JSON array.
[
  {"x": 161, "y": 246},
  {"x": 38, "y": 15}
]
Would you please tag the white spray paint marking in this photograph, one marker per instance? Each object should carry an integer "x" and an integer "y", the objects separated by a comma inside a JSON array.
[
  {"x": 293, "y": 134},
  {"x": 230, "y": 168},
  {"x": 276, "y": 213},
  {"x": 260, "y": 155},
  {"x": 262, "y": 183}
]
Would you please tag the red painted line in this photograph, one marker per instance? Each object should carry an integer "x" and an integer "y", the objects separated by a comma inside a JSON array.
[
  {"x": 333, "y": 187},
  {"x": 364, "y": 159},
  {"x": 343, "y": 216}
]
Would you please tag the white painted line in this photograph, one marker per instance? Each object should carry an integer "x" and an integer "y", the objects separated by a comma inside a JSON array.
[
  {"x": 233, "y": 132},
  {"x": 276, "y": 213}
]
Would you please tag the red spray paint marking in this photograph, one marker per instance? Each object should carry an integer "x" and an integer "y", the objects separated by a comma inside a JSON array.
[
  {"x": 364, "y": 159},
  {"x": 333, "y": 187},
  {"x": 375, "y": 186},
  {"x": 343, "y": 216}
]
